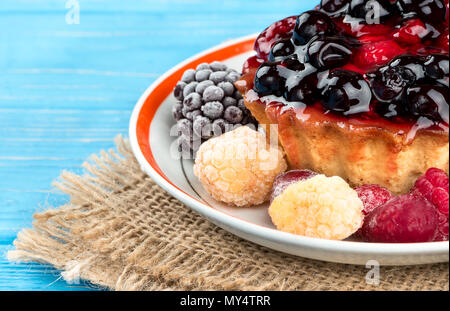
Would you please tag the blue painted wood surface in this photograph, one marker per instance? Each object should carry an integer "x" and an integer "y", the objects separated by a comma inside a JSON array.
[{"x": 66, "y": 90}]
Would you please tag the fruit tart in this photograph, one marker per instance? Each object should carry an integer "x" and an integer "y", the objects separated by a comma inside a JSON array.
[{"x": 357, "y": 89}]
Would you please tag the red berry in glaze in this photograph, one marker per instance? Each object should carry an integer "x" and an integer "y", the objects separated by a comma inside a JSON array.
[
  {"x": 274, "y": 33},
  {"x": 310, "y": 24},
  {"x": 412, "y": 32},
  {"x": 286, "y": 179},
  {"x": 252, "y": 62},
  {"x": 404, "y": 219},
  {"x": 377, "y": 53}
]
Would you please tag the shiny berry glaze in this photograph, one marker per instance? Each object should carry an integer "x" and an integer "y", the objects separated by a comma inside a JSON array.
[{"x": 397, "y": 68}]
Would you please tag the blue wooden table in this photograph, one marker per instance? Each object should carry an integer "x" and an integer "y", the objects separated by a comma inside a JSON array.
[{"x": 68, "y": 83}]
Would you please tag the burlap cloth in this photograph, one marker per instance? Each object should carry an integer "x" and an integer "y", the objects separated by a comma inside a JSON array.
[{"x": 123, "y": 232}]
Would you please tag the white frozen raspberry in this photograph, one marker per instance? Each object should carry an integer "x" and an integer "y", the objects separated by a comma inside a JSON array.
[
  {"x": 320, "y": 207},
  {"x": 238, "y": 167}
]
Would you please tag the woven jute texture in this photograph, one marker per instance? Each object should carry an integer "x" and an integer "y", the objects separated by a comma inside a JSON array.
[{"x": 123, "y": 232}]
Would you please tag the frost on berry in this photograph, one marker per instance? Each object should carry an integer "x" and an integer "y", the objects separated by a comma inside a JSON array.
[
  {"x": 407, "y": 218},
  {"x": 320, "y": 207},
  {"x": 286, "y": 179},
  {"x": 239, "y": 167},
  {"x": 373, "y": 196},
  {"x": 434, "y": 187}
]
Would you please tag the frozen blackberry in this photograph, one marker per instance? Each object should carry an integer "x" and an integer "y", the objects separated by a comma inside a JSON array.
[
  {"x": 202, "y": 127},
  {"x": 203, "y": 75},
  {"x": 232, "y": 77},
  {"x": 192, "y": 115},
  {"x": 193, "y": 101},
  {"x": 208, "y": 105},
  {"x": 213, "y": 93},
  {"x": 229, "y": 101},
  {"x": 227, "y": 87},
  {"x": 201, "y": 87},
  {"x": 190, "y": 88},
  {"x": 188, "y": 76},
  {"x": 218, "y": 76},
  {"x": 178, "y": 92},
  {"x": 233, "y": 114},
  {"x": 218, "y": 66},
  {"x": 177, "y": 111},
  {"x": 213, "y": 110},
  {"x": 184, "y": 127}
]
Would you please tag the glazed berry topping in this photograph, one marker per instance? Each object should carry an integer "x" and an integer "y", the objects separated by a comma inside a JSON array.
[
  {"x": 310, "y": 24},
  {"x": 430, "y": 101},
  {"x": 404, "y": 219},
  {"x": 268, "y": 80},
  {"x": 390, "y": 83},
  {"x": 328, "y": 53},
  {"x": 300, "y": 87},
  {"x": 371, "y": 11},
  {"x": 347, "y": 92},
  {"x": 274, "y": 33},
  {"x": 427, "y": 10},
  {"x": 437, "y": 67},
  {"x": 281, "y": 49},
  {"x": 334, "y": 7},
  {"x": 363, "y": 59}
]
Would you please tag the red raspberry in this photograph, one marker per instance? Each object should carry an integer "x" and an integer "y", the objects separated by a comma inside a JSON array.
[
  {"x": 408, "y": 218},
  {"x": 373, "y": 196},
  {"x": 377, "y": 53},
  {"x": 412, "y": 32},
  {"x": 280, "y": 30},
  {"x": 434, "y": 186},
  {"x": 442, "y": 234}
]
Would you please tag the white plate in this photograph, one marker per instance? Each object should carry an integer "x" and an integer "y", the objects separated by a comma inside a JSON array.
[{"x": 151, "y": 142}]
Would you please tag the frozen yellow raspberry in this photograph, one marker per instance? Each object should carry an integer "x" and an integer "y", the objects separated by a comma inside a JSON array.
[
  {"x": 238, "y": 167},
  {"x": 320, "y": 207}
]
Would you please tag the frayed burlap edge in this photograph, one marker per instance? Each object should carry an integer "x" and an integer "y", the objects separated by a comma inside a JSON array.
[{"x": 123, "y": 232}]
